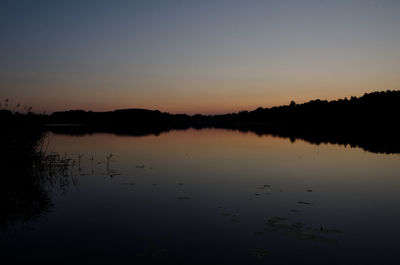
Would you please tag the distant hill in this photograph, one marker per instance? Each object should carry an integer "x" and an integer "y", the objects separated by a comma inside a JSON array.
[
  {"x": 370, "y": 121},
  {"x": 377, "y": 108}
]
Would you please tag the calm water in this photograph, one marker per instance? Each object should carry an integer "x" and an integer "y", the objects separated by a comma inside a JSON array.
[{"x": 214, "y": 197}]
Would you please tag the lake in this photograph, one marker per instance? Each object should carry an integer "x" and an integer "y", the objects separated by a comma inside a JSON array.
[{"x": 212, "y": 196}]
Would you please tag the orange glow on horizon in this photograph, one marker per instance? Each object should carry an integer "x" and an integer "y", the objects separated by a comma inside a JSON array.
[{"x": 210, "y": 107}]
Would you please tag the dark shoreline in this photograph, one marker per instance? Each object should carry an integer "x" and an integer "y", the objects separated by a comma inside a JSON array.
[
  {"x": 371, "y": 122},
  {"x": 373, "y": 142}
]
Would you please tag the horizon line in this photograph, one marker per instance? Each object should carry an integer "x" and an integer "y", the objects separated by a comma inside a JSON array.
[{"x": 213, "y": 114}]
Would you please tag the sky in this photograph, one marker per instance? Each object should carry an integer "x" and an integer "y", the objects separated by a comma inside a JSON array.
[{"x": 187, "y": 56}]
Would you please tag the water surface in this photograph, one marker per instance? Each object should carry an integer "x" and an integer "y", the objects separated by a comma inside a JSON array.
[{"x": 213, "y": 196}]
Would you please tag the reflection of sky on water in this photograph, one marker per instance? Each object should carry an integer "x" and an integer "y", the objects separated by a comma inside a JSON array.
[{"x": 219, "y": 195}]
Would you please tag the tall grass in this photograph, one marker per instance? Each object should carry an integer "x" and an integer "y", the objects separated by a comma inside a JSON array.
[{"x": 28, "y": 170}]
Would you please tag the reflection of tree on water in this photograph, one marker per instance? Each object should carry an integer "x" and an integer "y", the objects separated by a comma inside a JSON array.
[
  {"x": 368, "y": 122},
  {"x": 28, "y": 173}
]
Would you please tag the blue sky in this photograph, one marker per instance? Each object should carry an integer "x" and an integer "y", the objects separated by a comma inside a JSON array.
[{"x": 195, "y": 56}]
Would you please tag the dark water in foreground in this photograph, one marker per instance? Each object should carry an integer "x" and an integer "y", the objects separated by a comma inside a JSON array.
[{"x": 213, "y": 197}]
